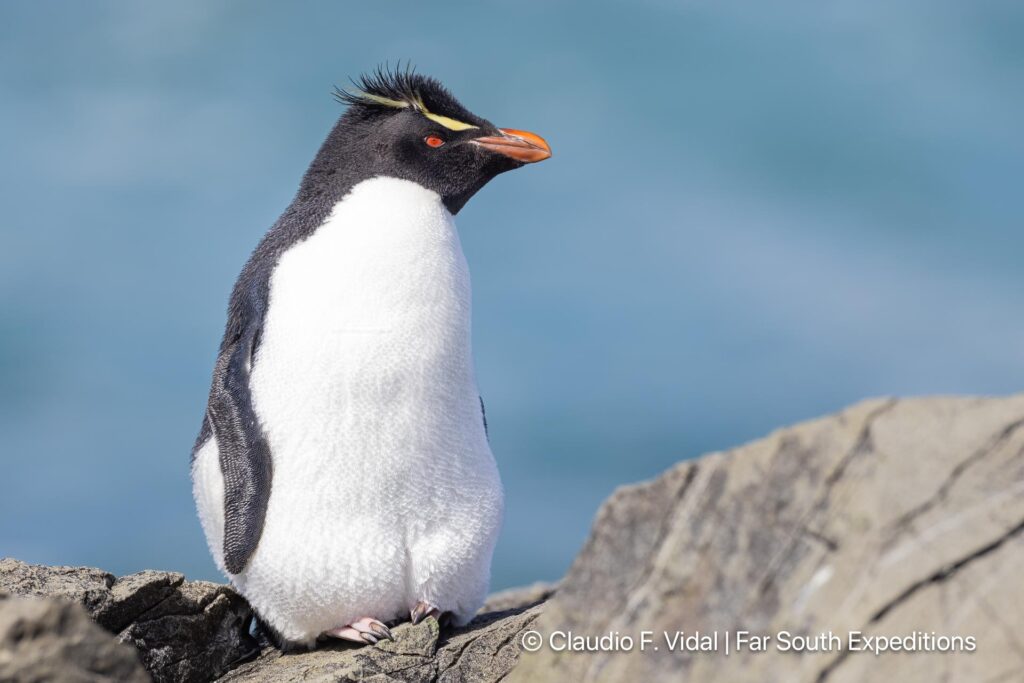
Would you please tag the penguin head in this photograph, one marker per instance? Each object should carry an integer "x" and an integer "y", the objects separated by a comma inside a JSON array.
[{"x": 408, "y": 126}]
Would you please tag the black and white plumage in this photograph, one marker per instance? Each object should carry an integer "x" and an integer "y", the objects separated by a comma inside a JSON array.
[{"x": 342, "y": 474}]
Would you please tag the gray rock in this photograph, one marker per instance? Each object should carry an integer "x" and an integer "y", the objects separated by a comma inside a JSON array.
[
  {"x": 196, "y": 631},
  {"x": 890, "y": 518},
  {"x": 43, "y": 639},
  {"x": 84, "y": 585},
  {"x": 519, "y": 598},
  {"x": 485, "y": 650},
  {"x": 185, "y": 631}
]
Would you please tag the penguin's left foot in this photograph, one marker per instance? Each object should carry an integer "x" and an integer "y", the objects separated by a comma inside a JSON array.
[
  {"x": 365, "y": 630},
  {"x": 424, "y": 609}
]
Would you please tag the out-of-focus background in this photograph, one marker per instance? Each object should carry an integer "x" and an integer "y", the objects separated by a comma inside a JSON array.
[{"x": 755, "y": 214}]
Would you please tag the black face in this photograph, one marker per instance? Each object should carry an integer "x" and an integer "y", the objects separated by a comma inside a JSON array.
[
  {"x": 407, "y": 126},
  {"x": 412, "y": 147}
]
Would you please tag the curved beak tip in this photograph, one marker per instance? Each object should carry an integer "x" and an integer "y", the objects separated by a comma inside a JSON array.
[{"x": 521, "y": 145}]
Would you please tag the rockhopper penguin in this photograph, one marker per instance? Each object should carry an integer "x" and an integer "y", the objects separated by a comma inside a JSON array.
[{"x": 342, "y": 475}]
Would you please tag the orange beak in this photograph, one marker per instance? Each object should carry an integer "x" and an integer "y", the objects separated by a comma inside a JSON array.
[{"x": 518, "y": 144}]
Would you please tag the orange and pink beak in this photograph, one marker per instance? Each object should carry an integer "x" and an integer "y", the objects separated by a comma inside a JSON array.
[{"x": 520, "y": 145}]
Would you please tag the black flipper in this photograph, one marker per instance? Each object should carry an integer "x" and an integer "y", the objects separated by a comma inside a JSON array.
[
  {"x": 244, "y": 452},
  {"x": 483, "y": 414},
  {"x": 230, "y": 416}
]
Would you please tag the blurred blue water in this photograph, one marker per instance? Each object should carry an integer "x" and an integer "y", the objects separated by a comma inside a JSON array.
[{"x": 753, "y": 216}]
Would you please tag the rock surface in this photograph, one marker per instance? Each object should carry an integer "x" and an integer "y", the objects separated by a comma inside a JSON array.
[
  {"x": 485, "y": 650},
  {"x": 184, "y": 630},
  {"x": 42, "y": 639},
  {"x": 892, "y": 518},
  {"x": 196, "y": 631},
  {"x": 888, "y": 518}
]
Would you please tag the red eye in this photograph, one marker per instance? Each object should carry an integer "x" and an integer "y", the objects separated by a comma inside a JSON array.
[{"x": 433, "y": 141}]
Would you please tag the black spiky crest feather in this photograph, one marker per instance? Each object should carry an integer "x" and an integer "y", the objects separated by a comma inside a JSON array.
[{"x": 404, "y": 85}]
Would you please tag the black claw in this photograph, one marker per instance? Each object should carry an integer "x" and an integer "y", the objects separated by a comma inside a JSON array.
[
  {"x": 369, "y": 638},
  {"x": 382, "y": 631},
  {"x": 421, "y": 610}
]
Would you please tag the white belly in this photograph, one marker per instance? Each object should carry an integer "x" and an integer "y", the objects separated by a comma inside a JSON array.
[{"x": 384, "y": 489}]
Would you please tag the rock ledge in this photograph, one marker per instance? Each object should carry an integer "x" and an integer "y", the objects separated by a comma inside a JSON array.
[{"x": 891, "y": 518}]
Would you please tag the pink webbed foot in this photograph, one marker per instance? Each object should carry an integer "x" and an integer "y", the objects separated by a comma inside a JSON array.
[{"x": 365, "y": 630}]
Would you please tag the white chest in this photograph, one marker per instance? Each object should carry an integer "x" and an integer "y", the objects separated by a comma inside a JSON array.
[
  {"x": 384, "y": 488},
  {"x": 365, "y": 351}
]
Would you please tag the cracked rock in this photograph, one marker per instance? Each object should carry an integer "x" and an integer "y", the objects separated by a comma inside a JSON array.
[
  {"x": 197, "y": 631},
  {"x": 891, "y": 517},
  {"x": 483, "y": 651},
  {"x": 42, "y": 639},
  {"x": 184, "y": 631}
]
